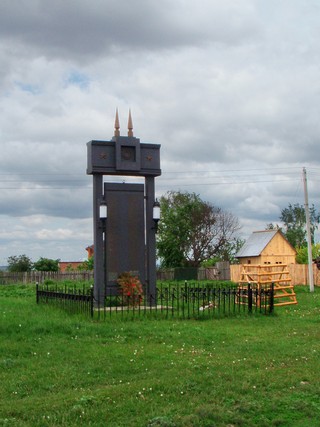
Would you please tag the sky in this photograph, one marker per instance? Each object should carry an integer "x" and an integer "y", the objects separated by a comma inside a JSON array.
[{"x": 230, "y": 89}]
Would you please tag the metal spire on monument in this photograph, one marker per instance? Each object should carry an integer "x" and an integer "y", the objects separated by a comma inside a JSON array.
[
  {"x": 130, "y": 126},
  {"x": 116, "y": 125}
]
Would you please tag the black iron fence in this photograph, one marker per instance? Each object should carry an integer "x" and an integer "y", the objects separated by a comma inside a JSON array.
[
  {"x": 186, "y": 301},
  {"x": 73, "y": 299}
]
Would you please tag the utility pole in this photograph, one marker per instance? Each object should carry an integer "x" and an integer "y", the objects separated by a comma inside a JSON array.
[{"x": 306, "y": 206}]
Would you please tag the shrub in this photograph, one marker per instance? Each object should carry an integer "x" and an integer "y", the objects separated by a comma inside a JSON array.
[
  {"x": 130, "y": 288},
  {"x": 19, "y": 263}
]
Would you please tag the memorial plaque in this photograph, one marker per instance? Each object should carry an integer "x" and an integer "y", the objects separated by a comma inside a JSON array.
[{"x": 125, "y": 231}]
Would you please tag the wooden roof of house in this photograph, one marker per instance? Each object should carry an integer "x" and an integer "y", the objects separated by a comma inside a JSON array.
[{"x": 256, "y": 243}]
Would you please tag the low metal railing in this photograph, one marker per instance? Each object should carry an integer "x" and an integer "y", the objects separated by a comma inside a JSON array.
[{"x": 171, "y": 301}]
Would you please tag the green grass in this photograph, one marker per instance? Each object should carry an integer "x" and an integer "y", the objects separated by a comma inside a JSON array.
[{"x": 58, "y": 369}]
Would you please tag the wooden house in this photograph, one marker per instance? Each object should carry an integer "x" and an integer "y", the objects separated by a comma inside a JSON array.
[{"x": 267, "y": 247}]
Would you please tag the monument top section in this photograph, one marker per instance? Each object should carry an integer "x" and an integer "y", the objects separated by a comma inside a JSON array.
[{"x": 123, "y": 155}]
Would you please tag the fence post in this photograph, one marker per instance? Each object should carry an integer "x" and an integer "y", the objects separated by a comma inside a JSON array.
[
  {"x": 91, "y": 301},
  {"x": 249, "y": 298},
  {"x": 271, "y": 303}
]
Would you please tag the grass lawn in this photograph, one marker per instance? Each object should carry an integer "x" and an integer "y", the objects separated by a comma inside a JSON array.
[{"x": 58, "y": 369}]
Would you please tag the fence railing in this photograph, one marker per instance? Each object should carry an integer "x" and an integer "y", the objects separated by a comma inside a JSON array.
[
  {"x": 7, "y": 278},
  {"x": 171, "y": 301},
  {"x": 71, "y": 299},
  {"x": 298, "y": 273},
  {"x": 220, "y": 272}
]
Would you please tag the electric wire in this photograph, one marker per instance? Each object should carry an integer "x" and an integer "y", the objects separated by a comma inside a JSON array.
[{"x": 169, "y": 179}]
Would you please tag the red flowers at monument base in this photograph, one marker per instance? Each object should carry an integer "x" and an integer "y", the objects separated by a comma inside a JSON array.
[{"x": 131, "y": 289}]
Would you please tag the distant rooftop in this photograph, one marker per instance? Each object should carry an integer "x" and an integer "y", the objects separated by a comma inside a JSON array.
[{"x": 256, "y": 243}]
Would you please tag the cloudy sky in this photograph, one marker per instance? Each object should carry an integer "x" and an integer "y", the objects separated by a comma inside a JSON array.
[{"x": 230, "y": 89}]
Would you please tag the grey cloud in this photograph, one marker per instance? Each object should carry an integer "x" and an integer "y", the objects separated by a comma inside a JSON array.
[
  {"x": 54, "y": 202},
  {"x": 75, "y": 29}
]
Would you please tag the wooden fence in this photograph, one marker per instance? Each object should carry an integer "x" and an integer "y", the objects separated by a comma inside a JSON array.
[
  {"x": 298, "y": 274},
  {"x": 171, "y": 274},
  {"x": 221, "y": 271},
  {"x": 40, "y": 276}
]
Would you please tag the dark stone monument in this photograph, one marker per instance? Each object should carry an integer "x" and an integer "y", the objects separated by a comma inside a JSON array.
[{"x": 123, "y": 214}]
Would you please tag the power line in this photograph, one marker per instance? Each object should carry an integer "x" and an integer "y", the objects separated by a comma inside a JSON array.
[
  {"x": 246, "y": 170},
  {"x": 231, "y": 183},
  {"x": 46, "y": 188},
  {"x": 161, "y": 182},
  {"x": 194, "y": 177}
]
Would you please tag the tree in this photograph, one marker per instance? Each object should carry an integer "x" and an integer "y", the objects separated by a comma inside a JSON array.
[
  {"x": 226, "y": 253},
  {"x": 86, "y": 265},
  {"x": 302, "y": 254},
  {"x": 46, "y": 264},
  {"x": 273, "y": 226},
  {"x": 294, "y": 228},
  {"x": 229, "y": 250},
  {"x": 191, "y": 230},
  {"x": 294, "y": 220},
  {"x": 19, "y": 263}
]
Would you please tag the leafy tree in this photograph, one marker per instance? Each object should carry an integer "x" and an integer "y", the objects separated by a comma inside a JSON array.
[
  {"x": 229, "y": 250},
  {"x": 46, "y": 264},
  {"x": 19, "y": 263},
  {"x": 191, "y": 230},
  {"x": 302, "y": 254},
  {"x": 273, "y": 227},
  {"x": 294, "y": 220},
  {"x": 86, "y": 265},
  {"x": 211, "y": 262},
  {"x": 294, "y": 228},
  {"x": 69, "y": 267},
  {"x": 90, "y": 263}
]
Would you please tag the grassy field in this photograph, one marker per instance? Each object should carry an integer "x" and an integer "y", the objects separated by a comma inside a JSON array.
[{"x": 63, "y": 370}]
